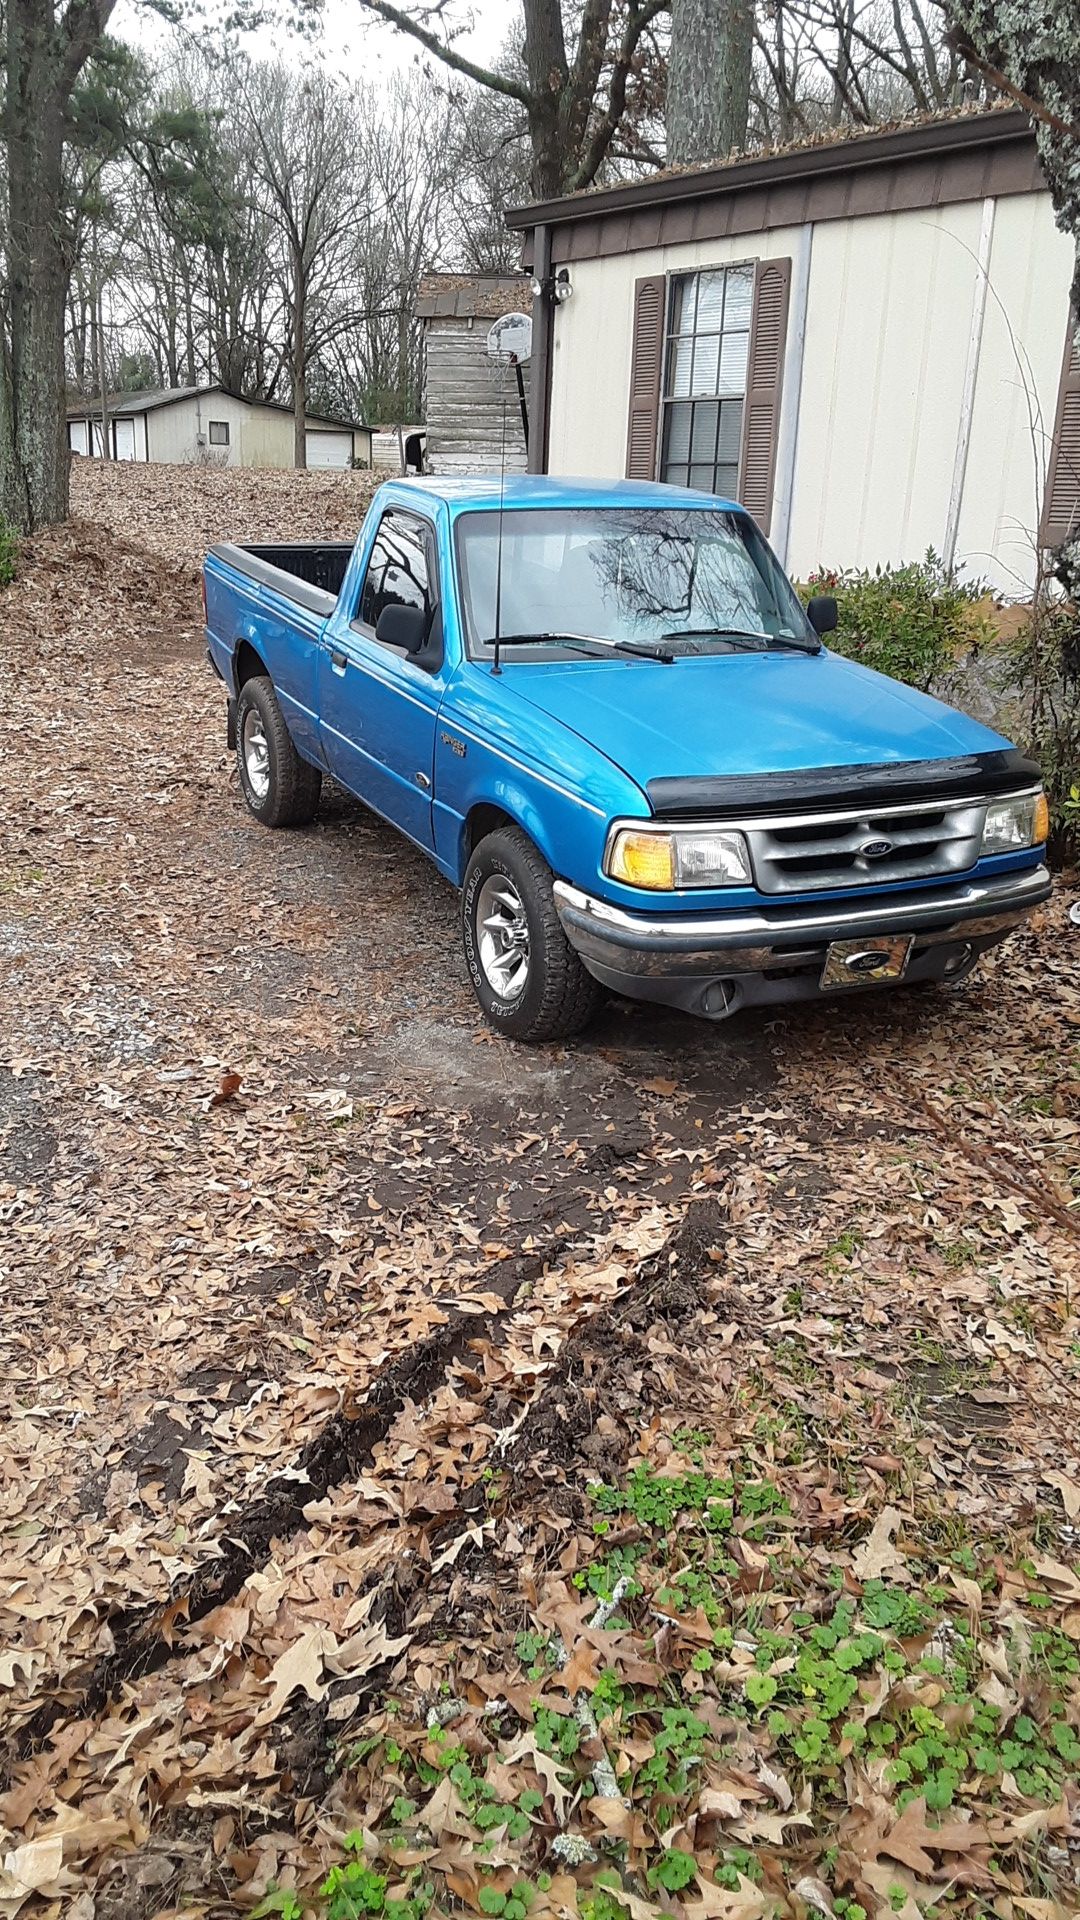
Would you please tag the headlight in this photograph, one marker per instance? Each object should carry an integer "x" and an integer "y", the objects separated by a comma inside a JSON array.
[
  {"x": 1022, "y": 821},
  {"x": 696, "y": 857}
]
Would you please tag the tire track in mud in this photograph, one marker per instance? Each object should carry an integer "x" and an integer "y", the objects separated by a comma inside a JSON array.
[
  {"x": 668, "y": 1285},
  {"x": 340, "y": 1449},
  {"x": 670, "y": 1289}
]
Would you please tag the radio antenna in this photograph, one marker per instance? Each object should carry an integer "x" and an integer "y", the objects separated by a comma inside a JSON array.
[
  {"x": 495, "y": 667},
  {"x": 509, "y": 344}
]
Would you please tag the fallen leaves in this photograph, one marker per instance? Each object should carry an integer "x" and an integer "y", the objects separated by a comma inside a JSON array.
[
  {"x": 228, "y": 1087},
  {"x": 32, "y": 1868},
  {"x": 300, "y": 1666},
  {"x": 913, "y": 1841},
  {"x": 19, "y": 1663},
  {"x": 367, "y": 1649},
  {"x": 1068, "y": 1486},
  {"x": 201, "y": 1300},
  {"x": 877, "y": 1554}
]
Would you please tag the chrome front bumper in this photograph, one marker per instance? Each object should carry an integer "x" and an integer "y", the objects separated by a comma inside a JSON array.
[{"x": 677, "y": 959}]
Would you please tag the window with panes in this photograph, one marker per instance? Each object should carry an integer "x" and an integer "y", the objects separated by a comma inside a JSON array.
[{"x": 705, "y": 361}]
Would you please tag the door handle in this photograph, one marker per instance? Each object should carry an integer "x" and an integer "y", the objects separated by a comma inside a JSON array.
[{"x": 338, "y": 660}]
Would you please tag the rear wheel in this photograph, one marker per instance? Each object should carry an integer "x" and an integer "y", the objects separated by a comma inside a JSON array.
[
  {"x": 280, "y": 788},
  {"x": 525, "y": 974}
]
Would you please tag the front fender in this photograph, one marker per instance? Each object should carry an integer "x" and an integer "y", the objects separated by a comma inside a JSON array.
[{"x": 502, "y": 753}]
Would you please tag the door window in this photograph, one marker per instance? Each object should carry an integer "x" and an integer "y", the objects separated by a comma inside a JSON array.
[{"x": 401, "y": 570}]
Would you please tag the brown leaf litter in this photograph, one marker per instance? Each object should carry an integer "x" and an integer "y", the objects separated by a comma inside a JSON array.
[{"x": 323, "y": 1312}]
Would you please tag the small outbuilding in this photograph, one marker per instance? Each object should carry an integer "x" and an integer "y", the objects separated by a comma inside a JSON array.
[
  {"x": 398, "y": 450},
  {"x": 191, "y": 424},
  {"x": 866, "y": 339},
  {"x": 471, "y": 402}
]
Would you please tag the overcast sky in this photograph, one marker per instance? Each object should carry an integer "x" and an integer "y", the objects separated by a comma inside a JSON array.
[{"x": 352, "y": 41}]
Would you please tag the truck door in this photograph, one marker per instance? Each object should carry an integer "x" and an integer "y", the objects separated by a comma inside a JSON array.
[{"x": 377, "y": 706}]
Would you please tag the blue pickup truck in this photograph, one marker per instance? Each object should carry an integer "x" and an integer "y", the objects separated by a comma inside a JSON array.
[{"x": 603, "y": 712}]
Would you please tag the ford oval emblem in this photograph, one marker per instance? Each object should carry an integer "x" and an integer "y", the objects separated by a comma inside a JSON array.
[
  {"x": 871, "y": 961},
  {"x": 875, "y": 849}
]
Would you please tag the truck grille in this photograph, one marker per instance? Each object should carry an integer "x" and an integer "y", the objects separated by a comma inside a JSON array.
[{"x": 806, "y": 852}]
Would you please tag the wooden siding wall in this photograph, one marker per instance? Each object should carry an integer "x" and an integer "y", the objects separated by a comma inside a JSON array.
[{"x": 466, "y": 393}]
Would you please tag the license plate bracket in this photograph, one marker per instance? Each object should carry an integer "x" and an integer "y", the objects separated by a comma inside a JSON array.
[{"x": 859, "y": 963}]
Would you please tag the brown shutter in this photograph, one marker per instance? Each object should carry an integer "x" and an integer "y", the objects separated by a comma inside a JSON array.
[
  {"x": 764, "y": 382},
  {"x": 1061, "y": 505},
  {"x": 646, "y": 363}
]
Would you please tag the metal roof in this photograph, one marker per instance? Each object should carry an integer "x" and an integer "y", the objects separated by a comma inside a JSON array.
[
  {"x": 842, "y": 150},
  {"x": 445, "y": 296},
  {"x": 142, "y": 402},
  {"x": 150, "y": 398}
]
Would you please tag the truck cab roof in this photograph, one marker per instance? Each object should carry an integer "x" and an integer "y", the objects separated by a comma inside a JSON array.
[{"x": 468, "y": 493}]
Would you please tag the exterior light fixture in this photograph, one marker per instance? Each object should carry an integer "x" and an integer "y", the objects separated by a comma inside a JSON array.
[{"x": 556, "y": 287}]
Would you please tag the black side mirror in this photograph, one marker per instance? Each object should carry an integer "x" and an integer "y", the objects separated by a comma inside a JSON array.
[
  {"x": 821, "y": 613},
  {"x": 404, "y": 627}
]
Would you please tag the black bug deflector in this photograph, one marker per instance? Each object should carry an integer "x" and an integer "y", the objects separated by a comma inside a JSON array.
[{"x": 734, "y": 796}]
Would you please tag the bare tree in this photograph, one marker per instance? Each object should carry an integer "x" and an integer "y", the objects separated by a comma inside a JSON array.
[
  {"x": 822, "y": 63},
  {"x": 304, "y": 151},
  {"x": 492, "y": 164},
  {"x": 574, "y": 97}
]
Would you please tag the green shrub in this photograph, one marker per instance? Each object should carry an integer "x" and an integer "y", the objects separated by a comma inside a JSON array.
[
  {"x": 9, "y": 547},
  {"x": 912, "y": 622},
  {"x": 1044, "y": 660}
]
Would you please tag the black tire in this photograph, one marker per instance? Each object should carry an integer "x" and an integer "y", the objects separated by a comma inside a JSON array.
[
  {"x": 556, "y": 997},
  {"x": 291, "y": 795}
]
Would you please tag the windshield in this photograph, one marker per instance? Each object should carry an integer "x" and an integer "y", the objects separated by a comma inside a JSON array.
[{"x": 700, "y": 579}]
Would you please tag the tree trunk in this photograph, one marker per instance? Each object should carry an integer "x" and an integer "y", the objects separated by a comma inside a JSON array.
[
  {"x": 708, "y": 96},
  {"x": 103, "y": 384},
  {"x": 43, "y": 58},
  {"x": 33, "y": 423},
  {"x": 545, "y": 62},
  {"x": 299, "y": 365},
  {"x": 845, "y": 25},
  {"x": 79, "y": 334},
  {"x": 190, "y": 355}
]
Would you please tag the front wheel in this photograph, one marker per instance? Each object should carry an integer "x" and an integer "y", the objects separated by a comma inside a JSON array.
[{"x": 525, "y": 974}]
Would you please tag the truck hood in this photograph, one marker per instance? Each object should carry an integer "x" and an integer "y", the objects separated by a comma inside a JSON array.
[{"x": 739, "y": 713}]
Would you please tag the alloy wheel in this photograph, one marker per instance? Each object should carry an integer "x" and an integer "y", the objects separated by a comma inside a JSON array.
[
  {"x": 256, "y": 751},
  {"x": 502, "y": 937}
]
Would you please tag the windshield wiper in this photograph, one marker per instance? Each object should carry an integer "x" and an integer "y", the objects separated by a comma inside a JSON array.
[
  {"x": 741, "y": 633},
  {"x": 584, "y": 643}
]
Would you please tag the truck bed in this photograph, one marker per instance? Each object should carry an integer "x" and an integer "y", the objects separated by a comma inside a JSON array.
[{"x": 307, "y": 571}]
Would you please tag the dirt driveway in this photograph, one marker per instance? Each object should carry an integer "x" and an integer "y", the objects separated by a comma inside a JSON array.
[{"x": 203, "y": 1292}]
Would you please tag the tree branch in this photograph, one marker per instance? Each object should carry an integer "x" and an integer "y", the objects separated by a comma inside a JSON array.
[
  {"x": 637, "y": 19},
  {"x": 484, "y": 76},
  {"x": 591, "y": 48},
  {"x": 81, "y": 29},
  {"x": 1036, "y": 108}
]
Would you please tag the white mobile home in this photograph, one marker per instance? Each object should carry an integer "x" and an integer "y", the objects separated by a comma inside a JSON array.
[
  {"x": 866, "y": 340},
  {"x": 188, "y": 424}
]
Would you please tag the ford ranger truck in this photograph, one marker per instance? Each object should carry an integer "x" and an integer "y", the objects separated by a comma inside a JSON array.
[{"x": 602, "y": 711}]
